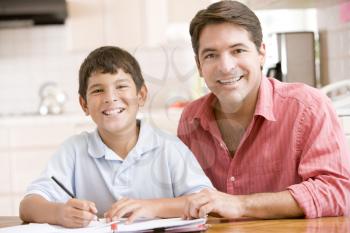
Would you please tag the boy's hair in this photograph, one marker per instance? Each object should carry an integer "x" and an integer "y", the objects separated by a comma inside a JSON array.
[
  {"x": 226, "y": 12},
  {"x": 108, "y": 59}
]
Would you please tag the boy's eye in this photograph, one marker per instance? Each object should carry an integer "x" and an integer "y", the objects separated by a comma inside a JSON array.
[
  {"x": 96, "y": 91},
  {"x": 122, "y": 86}
]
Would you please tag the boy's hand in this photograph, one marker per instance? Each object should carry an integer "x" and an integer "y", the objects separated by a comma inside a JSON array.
[
  {"x": 76, "y": 213},
  {"x": 132, "y": 209}
]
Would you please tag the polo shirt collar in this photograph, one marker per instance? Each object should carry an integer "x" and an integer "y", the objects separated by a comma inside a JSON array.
[{"x": 147, "y": 140}]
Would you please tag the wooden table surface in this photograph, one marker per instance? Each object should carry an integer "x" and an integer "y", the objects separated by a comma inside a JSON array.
[{"x": 319, "y": 225}]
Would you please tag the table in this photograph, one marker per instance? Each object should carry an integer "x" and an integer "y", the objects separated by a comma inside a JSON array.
[{"x": 219, "y": 225}]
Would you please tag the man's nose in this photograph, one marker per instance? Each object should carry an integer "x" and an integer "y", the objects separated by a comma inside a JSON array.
[{"x": 227, "y": 63}]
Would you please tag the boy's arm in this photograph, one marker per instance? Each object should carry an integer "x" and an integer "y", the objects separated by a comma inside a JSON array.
[
  {"x": 150, "y": 208},
  {"x": 73, "y": 213}
]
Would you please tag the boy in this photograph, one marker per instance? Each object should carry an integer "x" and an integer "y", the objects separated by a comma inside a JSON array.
[{"x": 123, "y": 157}]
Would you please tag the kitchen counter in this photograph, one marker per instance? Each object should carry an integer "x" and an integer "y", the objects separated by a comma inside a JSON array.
[{"x": 158, "y": 118}]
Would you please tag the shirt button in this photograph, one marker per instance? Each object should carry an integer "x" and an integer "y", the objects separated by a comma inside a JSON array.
[{"x": 232, "y": 178}]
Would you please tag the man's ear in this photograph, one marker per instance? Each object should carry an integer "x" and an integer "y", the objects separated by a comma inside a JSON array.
[
  {"x": 83, "y": 105},
  {"x": 142, "y": 95},
  {"x": 198, "y": 66},
  {"x": 262, "y": 54}
]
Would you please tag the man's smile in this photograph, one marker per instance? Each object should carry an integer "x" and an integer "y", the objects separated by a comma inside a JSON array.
[{"x": 230, "y": 81}]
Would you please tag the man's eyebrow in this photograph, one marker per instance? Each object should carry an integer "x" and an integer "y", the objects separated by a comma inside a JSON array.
[{"x": 209, "y": 49}]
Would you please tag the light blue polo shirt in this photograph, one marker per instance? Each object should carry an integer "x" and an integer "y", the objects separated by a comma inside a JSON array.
[{"x": 159, "y": 166}]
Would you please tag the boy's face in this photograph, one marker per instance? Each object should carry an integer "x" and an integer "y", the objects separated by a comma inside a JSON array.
[
  {"x": 112, "y": 101},
  {"x": 230, "y": 63}
]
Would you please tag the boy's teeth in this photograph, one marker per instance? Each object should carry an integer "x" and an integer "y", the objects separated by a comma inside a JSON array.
[{"x": 114, "y": 111}]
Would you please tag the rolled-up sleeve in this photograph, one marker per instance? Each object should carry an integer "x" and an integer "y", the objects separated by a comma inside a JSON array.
[{"x": 324, "y": 164}]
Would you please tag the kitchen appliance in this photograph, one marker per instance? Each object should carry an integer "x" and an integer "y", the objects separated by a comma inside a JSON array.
[
  {"x": 339, "y": 93},
  {"x": 53, "y": 99},
  {"x": 296, "y": 57},
  {"x": 38, "y": 12}
]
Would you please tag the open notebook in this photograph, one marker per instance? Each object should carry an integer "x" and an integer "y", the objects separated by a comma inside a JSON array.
[{"x": 169, "y": 225}]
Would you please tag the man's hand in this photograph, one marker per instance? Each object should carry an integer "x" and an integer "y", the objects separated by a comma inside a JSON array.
[
  {"x": 132, "y": 209},
  {"x": 76, "y": 213},
  {"x": 208, "y": 201}
]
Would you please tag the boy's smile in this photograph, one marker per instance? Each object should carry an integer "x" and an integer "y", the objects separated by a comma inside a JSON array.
[
  {"x": 113, "y": 111},
  {"x": 112, "y": 101}
]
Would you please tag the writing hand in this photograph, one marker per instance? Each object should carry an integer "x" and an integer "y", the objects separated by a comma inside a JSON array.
[{"x": 76, "y": 213}]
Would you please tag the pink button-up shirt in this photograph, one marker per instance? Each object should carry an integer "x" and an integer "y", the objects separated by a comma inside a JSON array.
[{"x": 294, "y": 142}]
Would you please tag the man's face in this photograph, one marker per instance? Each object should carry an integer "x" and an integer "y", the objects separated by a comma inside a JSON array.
[
  {"x": 112, "y": 101},
  {"x": 230, "y": 63}
]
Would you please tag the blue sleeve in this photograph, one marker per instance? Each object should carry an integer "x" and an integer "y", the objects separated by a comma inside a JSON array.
[
  {"x": 186, "y": 173},
  {"x": 61, "y": 166}
]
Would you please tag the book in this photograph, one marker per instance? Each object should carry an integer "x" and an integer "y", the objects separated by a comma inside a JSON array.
[{"x": 167, "y": 225}]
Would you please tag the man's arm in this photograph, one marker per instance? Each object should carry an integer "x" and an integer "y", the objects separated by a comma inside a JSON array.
[
  {"x": 73, "y": 213},
  {"x": 260, "y": 205}
]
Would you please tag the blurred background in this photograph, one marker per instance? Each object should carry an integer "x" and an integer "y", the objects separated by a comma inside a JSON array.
[{"x": 43, "y": 42}]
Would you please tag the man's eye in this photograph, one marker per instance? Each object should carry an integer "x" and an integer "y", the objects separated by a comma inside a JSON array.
[
  {"x": 239, "y": 51},
  {"x": 209, "y": 56},
  {"x": 122, "y": 87}
]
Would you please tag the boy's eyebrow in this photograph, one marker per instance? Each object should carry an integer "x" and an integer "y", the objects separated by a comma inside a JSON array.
[
  {"x": 122, "y": 80},
  {"x": 94, "y": 85}
]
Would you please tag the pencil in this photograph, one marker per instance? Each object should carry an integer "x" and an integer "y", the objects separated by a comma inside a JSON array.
[{"x": 62, "y": 186}]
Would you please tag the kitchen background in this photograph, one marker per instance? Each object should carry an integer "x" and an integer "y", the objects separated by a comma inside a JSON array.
[{"x": 36, "y": 61}]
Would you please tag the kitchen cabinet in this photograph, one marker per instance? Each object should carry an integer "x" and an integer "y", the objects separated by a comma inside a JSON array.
[
  {"x": 125, "y": 23},
  {"x": 287, "y": 4},
  {"x": 26, "y": 144}
]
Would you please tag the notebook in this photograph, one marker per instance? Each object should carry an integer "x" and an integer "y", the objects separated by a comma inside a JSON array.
[{"x": 168, "y": 225}]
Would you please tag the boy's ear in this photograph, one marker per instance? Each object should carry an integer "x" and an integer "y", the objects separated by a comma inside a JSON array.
[
  {"x": 83, "y": 105},
  {"x": 142, "y": 95}
]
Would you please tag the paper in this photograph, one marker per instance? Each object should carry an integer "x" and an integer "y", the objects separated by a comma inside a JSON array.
[
  {"x": 158, "y": 223},
  {"x": 101, "y": 227}
]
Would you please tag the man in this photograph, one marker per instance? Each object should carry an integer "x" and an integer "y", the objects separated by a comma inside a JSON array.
[{"x": 272, "y": 149}]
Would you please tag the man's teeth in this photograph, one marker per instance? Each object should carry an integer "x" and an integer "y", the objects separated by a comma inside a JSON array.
[
  {"x": 229, "y": 81},
  {"x": 114, "y": 111}
]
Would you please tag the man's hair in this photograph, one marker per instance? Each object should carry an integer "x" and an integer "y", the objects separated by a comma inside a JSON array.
[
  {"x": 108, "y": 59},
  {"x": 226, "y": 12}
]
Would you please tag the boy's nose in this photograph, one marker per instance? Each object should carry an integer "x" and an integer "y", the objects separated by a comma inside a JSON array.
[{"x": 110, "y": 97}]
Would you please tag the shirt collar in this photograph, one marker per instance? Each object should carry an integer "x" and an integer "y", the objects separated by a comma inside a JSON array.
[
  {"x": 147, "y": 140},
  {"x": 264, "y": 105},
  {"x": 205, "y": 114}
]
